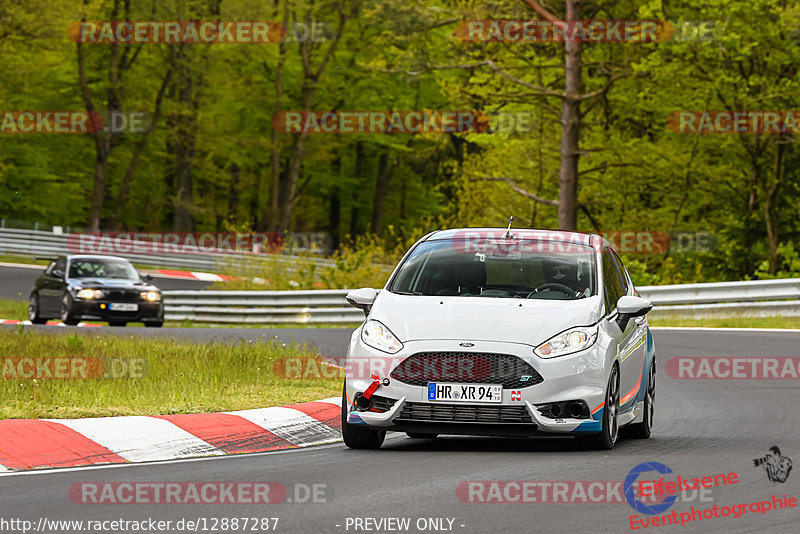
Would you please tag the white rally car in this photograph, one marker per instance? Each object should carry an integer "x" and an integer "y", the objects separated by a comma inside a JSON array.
[{"x": 501, "y": 332}]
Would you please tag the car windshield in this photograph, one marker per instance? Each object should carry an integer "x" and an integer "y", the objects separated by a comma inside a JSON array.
[
  {"x": 97, "y": 268},
  {"x": 450, "y": 268}
]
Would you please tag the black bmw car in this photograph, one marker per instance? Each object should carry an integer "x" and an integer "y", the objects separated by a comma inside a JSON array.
[{"x": 101, "y": 288}]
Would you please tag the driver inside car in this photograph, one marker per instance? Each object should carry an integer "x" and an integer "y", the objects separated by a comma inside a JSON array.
[{"x": 566, "y": 273}]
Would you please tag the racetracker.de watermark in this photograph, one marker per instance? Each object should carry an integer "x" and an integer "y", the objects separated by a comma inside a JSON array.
[
  {"x": 734, "y": 367},
  {"x": 178, "y": 243},
  {"x": 407, "y": 122},
  {"x": 624, "y": 242},
  {"x": 203, "y": 492},
  {"x": 734, "y": 122},
  {"x": 211, "y": 523},
  {"x": 199, "y": 242},
  {"x": 196, "y": 32},
  {"x": 562, "y": 492},
  {"x": 586, "y": 31},
  {"x": 657, "y": 241},
  {"x": 462, "y": 368},
  {"x": 73, "y": 368},
  {"x": 73, "y": 122}
]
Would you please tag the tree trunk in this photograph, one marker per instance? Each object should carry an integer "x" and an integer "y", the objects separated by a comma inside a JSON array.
[
  {"x": 354, "y": 226},
  {"x": 185, "y": 137},
  {"x": 275, "y": 191},
  {"x": 382, "y": 183},
  {"x": 358, "y": 172},
  {"x": 184, "y": 156},
  {"x": 287, "y": 202},
  {"x": 233, "y": 195},
  {"x": 770, "y": 216},
  {"x": 122, "y": 196},
  {"x": 254, "y": 215},
  {"x": 186, "y": 93},
  {"x": 311, "y": 78},
  {"x": 118, "y": 65},
  {"x": 403, "y": 195},
  {"x": 570, "y": 127},
  {"x": 335, "y": 218},
  {"x": 103, "y": 151},
  {"x": 747, "y": 263},
  {"x": 335, "y": 205},
  {"x": 104, "y": 142}
]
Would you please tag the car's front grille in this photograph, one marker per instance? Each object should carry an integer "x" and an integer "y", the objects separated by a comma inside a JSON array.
[
  {"x": 121, "y": 295},
  {"x": 466, "y": 367},
  {"x": 455, "y": 413}
]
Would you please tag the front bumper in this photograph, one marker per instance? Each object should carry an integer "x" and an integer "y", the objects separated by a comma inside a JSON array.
[
  {"x": 100, "y": 310},
  {"x": 580, "y": 376}
]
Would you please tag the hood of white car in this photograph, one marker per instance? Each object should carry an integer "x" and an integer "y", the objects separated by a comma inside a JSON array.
[{"x": 530, "y": 321}]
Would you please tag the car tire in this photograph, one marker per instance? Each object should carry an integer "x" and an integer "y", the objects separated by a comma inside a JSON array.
[
  {"x": 67, "y": 317},
  {"x": 359, "y": 438},
  {"x": 421, "y": 435},
  {"x": 155, "y": 324},
  {"x": 644, "y": 429},
  {"x": 607, "y": 437},
  {"x": 34, "y": 311},
  {"x": 117, "y": 323}
]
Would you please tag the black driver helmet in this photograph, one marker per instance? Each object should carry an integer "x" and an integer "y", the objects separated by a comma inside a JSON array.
[{"x": 561, "y": 271}]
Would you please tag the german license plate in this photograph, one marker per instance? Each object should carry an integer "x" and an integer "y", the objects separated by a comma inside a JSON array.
[
  {"x": 443, "y": 391},
  {"x": 123, "y": 306}
]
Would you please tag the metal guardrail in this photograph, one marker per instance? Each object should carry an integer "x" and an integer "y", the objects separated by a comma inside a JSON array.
[
  {"x": 754, "y": 290},
  {"x": 38, "y": 243},
  {"x": 725, "y": 300},
  {"x": 318, "y": 306},
  {"x": 692, "y": 301}
]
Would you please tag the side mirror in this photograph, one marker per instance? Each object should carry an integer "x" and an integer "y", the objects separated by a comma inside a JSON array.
[
  {"x": 629, "y": 307},
  {"x": 147, "y": 277},
  {"x": 362, "y": 298},
  {"x": 58, "y": 273}
]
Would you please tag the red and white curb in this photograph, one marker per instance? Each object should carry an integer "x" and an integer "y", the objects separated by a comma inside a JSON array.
[
  {"x": 191, "y": 275},
  {"x": 43, "y": 443},
  {"x": 48, "y": 323}
]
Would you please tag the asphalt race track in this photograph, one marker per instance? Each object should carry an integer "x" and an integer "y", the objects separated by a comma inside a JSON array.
[
  {"x": 16, "y": 282},
  {"x": 703, "y": 428}
]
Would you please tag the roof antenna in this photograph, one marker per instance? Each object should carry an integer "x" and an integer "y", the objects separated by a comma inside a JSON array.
[{"x": 508, "y": 230}]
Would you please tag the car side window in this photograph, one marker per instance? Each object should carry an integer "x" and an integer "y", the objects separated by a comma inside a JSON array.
[
  {"x": 622, "y": 272},
  {"x": 612, "y": 284},
  {"x": 49, "y": 269},
  {"x": 61, "y": 265}
]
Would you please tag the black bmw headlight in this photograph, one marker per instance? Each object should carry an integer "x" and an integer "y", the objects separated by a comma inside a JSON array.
[
  {"x": 89, "y": 294},
  {"x": 150, "y": 296}
]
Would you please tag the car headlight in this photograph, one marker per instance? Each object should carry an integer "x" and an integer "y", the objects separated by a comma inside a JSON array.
[
  {"x": 89, "y": 294},
  {"x": 573, "y": 340},
  {"x": 150, "y": 296},
  {"x": 376, "y": 335}
]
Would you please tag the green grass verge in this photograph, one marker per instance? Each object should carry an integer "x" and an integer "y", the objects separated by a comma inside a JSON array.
[
  {"x": 14, "y": 309},
  {"x": 179, "y": 377},
  {"x": 27, "y": 260}
]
